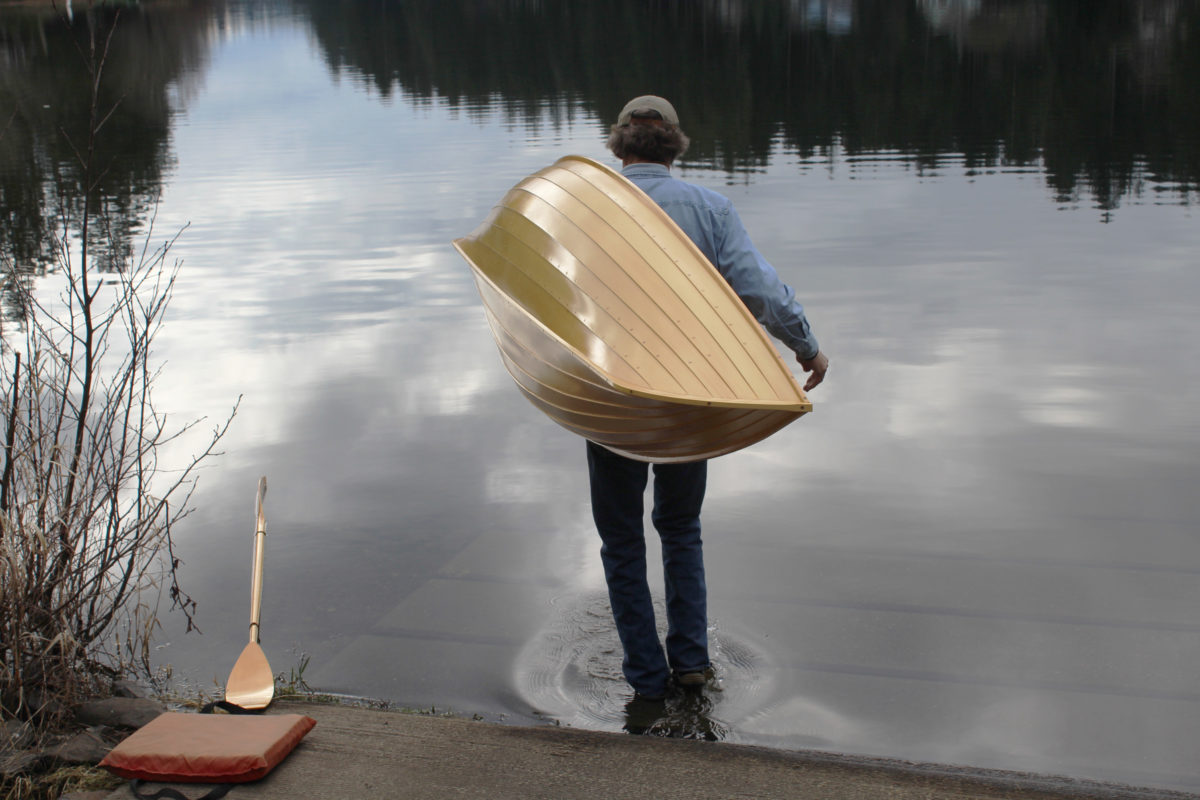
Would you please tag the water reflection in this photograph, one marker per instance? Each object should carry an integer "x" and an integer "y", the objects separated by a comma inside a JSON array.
[
  {"x": 43, "y": 89},
  {"x": 1101, "y": 96},
  {"x": 981, "y": 546}
]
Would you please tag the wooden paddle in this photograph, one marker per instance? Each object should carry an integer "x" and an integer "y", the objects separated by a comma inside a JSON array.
[{"x": 251, "y": 684}]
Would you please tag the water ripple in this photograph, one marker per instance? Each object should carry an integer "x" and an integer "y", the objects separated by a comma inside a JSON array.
[{"x": 570, "y": 672}]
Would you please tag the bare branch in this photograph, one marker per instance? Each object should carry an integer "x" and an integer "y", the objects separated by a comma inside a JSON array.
[
  {"x": 87, "y": 512},
  {"x": 6, "y": 480}
]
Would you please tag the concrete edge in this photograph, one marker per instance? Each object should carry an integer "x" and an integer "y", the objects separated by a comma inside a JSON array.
[{"x": 1035, "y": 786}]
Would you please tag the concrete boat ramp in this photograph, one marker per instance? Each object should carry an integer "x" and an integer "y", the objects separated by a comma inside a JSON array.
[{"x": 365, "y": 753}]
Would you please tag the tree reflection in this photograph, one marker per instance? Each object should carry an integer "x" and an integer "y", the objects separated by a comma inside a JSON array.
[
  {"x": 45, "y": 122},
  {"x": 1100, "y": 93}
]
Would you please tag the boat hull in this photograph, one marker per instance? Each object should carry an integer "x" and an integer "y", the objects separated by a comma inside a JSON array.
[{"x": 612, "y": 322}]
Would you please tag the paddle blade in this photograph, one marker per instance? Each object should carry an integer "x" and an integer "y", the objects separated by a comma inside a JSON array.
[{"x": 251, "y": 683}]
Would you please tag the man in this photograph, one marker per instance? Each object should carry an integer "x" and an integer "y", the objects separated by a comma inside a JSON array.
[{"x": 647, "y": 139}]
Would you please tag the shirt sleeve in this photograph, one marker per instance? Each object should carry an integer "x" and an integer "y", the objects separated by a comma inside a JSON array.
[{"x": 772, "y": 302}]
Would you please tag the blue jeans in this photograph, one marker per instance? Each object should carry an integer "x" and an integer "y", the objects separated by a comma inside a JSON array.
[{"x": 618, "y": 485}]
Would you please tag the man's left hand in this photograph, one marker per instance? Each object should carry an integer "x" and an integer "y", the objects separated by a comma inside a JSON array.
[{"x": 816, "y": 366}]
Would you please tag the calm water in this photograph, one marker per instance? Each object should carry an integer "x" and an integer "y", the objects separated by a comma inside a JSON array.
[{"x": 980, "y": 549}]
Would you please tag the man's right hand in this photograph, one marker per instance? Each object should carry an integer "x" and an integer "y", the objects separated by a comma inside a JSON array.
[{"x": 816, "y": 366}]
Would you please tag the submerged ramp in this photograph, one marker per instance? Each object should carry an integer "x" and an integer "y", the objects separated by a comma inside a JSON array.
[{"x": 614, "y": 324}]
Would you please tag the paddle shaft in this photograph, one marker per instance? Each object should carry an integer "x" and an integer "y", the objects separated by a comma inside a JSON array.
[{"x": 260, "y": 539}]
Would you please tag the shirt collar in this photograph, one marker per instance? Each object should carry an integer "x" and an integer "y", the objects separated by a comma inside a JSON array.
[{"x": 645, "y": 169}]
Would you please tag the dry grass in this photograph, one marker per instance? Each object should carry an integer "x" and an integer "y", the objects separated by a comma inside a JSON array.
[
  {"x": 53, "y": 785},
  {"x": 87, "y": 512}
]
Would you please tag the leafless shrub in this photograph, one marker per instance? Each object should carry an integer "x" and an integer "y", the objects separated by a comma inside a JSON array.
[{"x": 87, "y": 512}]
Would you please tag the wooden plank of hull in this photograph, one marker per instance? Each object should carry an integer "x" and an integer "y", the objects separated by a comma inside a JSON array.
[
  {"x": 568, "y": 389},
  {"x": 611, "y": 321}
]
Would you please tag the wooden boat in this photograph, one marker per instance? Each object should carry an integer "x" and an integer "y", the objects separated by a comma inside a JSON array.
[{"x": 613, "y": 323}]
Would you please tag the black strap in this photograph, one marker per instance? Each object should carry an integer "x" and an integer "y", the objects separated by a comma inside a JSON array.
[
  {"x": 167, "y": 793},
  {"x": 218, "y": 790},
  {"x": 225, "y": 705}
]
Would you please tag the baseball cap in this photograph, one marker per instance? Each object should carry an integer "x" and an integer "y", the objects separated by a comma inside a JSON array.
[{"x": 646, "y": 104}]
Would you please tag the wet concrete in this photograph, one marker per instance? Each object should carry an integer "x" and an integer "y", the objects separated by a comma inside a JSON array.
[{"x": 364, "y": 753}]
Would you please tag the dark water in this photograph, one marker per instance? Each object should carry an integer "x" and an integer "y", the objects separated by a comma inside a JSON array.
[{"x": 980, "y": 549}]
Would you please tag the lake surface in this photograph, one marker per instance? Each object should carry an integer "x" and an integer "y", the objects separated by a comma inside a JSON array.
[{"x": 981, "y": 548}]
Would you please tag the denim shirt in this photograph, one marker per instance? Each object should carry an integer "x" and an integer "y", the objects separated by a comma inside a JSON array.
[{"x": 709, "y": 219}]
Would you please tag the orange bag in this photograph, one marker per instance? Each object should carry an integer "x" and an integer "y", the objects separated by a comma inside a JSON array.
[{"x": 207, "y": 748}]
